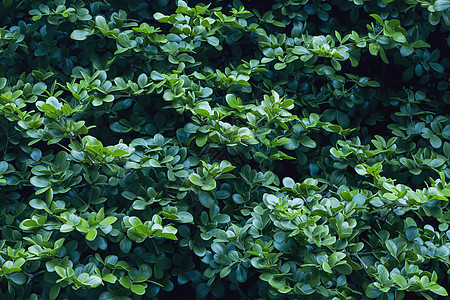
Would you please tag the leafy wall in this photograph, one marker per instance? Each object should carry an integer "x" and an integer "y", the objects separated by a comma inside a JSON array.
[{"x": 254, "y": 149}]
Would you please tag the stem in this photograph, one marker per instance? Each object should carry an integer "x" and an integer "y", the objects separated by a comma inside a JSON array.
[
  {"x": 64, "y": 147},
  {"x": 31, "y": 276},
  {"x": 361, "y": 261},
  {"x": 76, "y": 195}
]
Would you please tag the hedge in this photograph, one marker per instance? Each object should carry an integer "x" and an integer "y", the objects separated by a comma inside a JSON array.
[{"x": 288, "y": 149}]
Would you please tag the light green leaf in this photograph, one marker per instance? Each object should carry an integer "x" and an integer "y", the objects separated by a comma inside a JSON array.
[
  {"x": 80, "y": 35},
  {"x": 196, "y": 179},
  {"x": 441, "y": 5},
  {"x": 108, "y": 221},
  {"x": 91, "y": 234},
  {"x": 138, "y": 289},
  {"x": 400, "y": 280}
]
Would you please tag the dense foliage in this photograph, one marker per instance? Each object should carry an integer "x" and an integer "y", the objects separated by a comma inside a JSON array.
[{"x": 254, "y": 149}]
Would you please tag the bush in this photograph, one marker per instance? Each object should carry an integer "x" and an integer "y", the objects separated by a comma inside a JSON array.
[{"x": 254, "y": 149}]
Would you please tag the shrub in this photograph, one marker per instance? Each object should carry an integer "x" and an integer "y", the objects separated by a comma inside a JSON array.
[{"x": 254, "y": 149}]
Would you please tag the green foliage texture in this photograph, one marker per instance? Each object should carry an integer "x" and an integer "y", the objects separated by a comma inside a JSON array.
[{"x": 278, "y": 149}]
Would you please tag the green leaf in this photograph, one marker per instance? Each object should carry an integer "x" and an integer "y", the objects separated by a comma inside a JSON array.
[
  {"x": 406, "y": 50},
  {"x": 446, "y": 131},
  {"x": 140, "y": 204},
  {"x": 213, "y": 41},
  {"x": 124, "y": 41},
  {"x": 372, "y": 291},
  {"x": 185, "y": 217},
  {"x": 437, "y": 67},
  {"x": 400, "y": 280},
  {"x": 138, "y": 289},
  {"x": 420, "y": 44},
  {"x": 383, "y": 55},
  {"x": 279, "y": 66},
  {"x": 202, "y": 290},
  {"x": 241, "y": 274},
  {"x": 93, "y": 281},
  {"x": 210, "y": 184},
  {"x": 299, "y": 50},
  {"x": 196, "y": 179},
  {"x": 100, "y": 21},
  {"x": 18, "y": 278},
  {"x": 201, "y": 140},
  {"x": 392, "y": 247},
  {"x": 154, "y": 75},
  {"x": 125, "y": 281},
  {"x": 54, "y": 292},
  {"x": 377, "y": 18},
  {"x": 374, "y": 48},
  {"x": 39, "y": 181},
  {"x": 326, "y": 267},
  {"x": 109, "y": 278},
  {"x": 399, "y": 37},
  {"x": 223, "y": 218},
  {"x": 169, "y": 232},
  {"x": 437, "y": 289},
  {"x": 360, "y": 169},
  {"x": 107, "y": 221},
  {"x": 435, "y": 141},
  {"x": 160, "y": 17},
  {"x": 276, "y": 284},
  {"x": 307, "y": 142},
  {"x": 225, "y": 271},
  {"x": 125, "y": 245},
  {"x": 441, "y": 5},
  {"x": 142, "y": 80},
  {"x": 206, "y": 199},
  {"x": 91, "y": 234},
  {"x": 37, "y": 204},
  {"x": 80, "y": 35},
  {"x": 61, "y": 271}
]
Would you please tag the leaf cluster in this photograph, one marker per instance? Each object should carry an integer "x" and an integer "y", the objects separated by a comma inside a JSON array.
[{"x": 234, "y": 149}]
